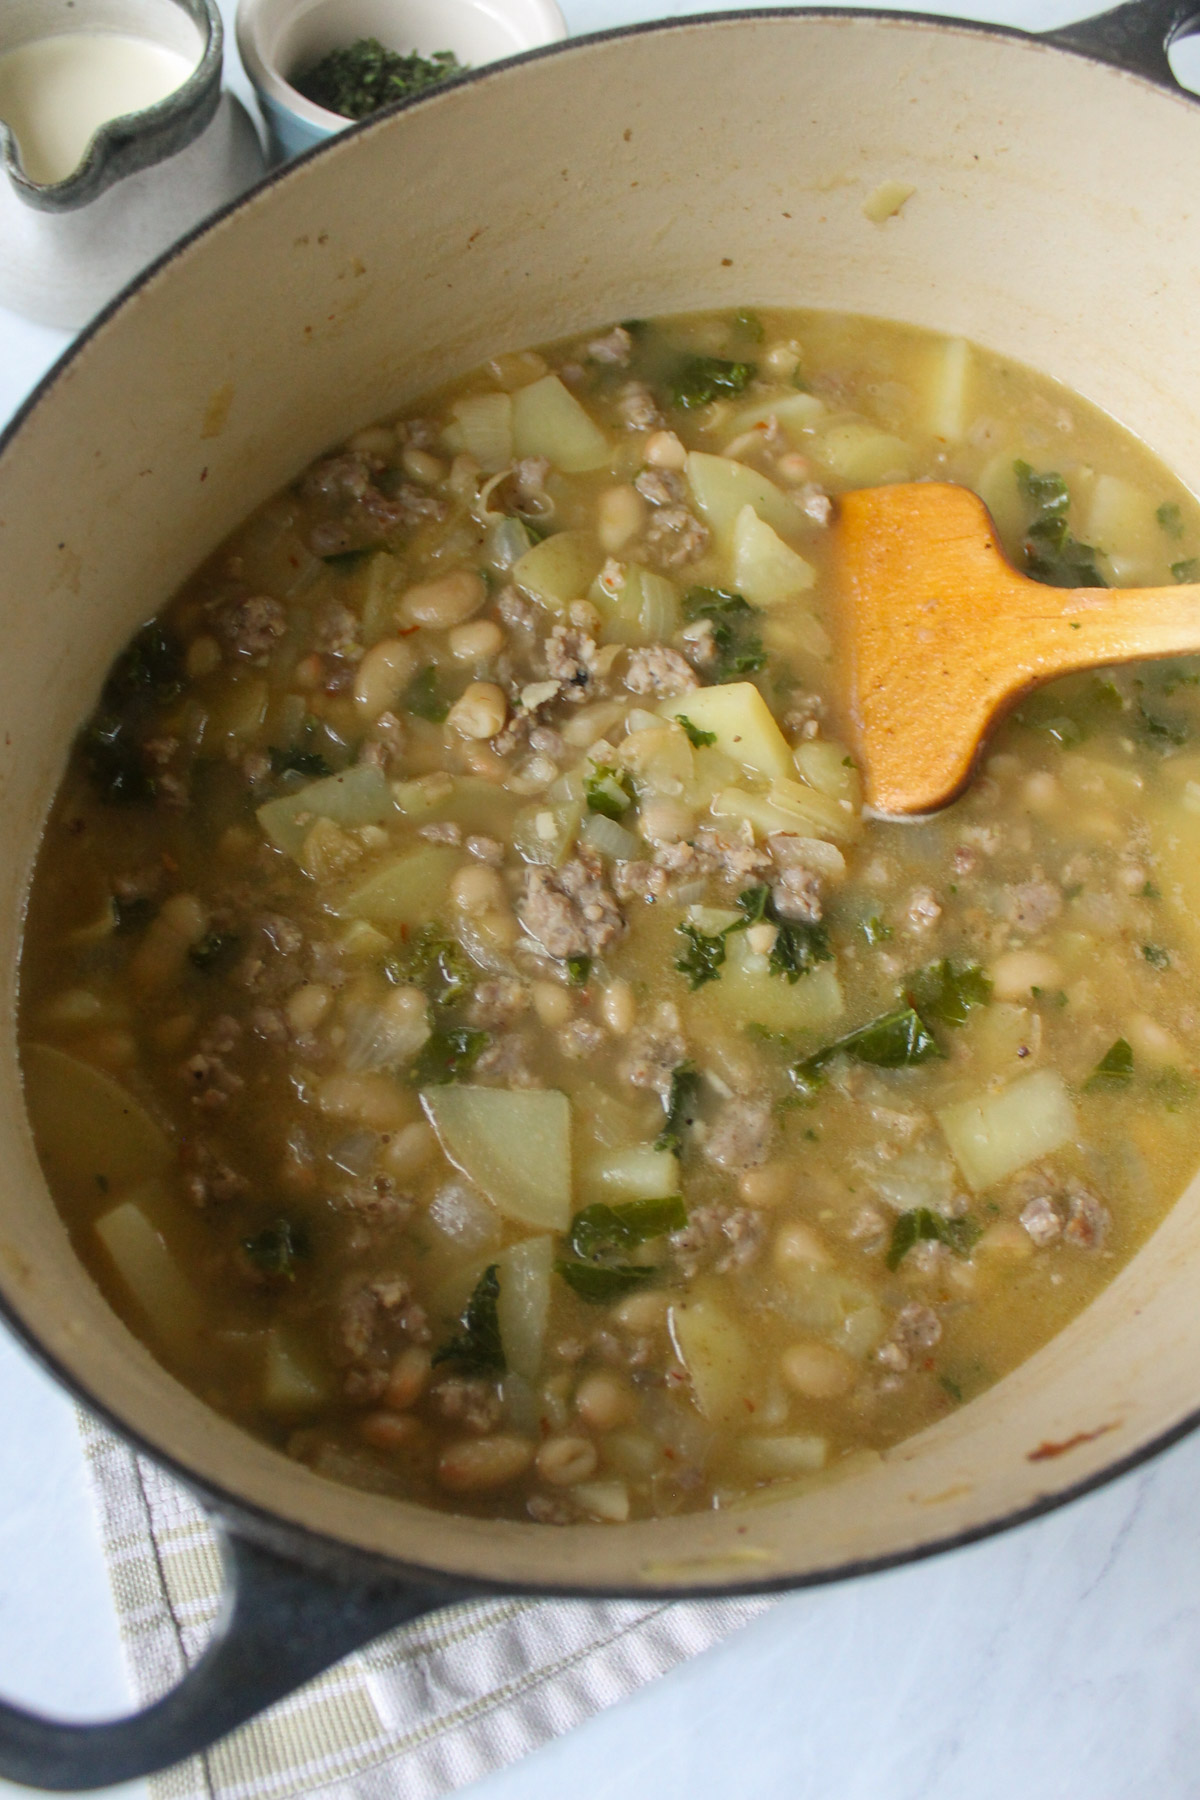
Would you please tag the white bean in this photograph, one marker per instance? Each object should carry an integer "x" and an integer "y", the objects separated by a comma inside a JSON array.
[
  {"x": 551, "y": 1003},
  {"x": 480, "y": 711},
  {"x": 407, "y": 1378},
  {"x": 473, "y": 1465},
  {"x": 477, "y": 641},
  {"x": 418, "y": 465},
  {"x": 665, "y": 451},
  {"x": 618, "y": 1007},
  {"x": 620, "y": 515},
  {"x": 382, "y": 676},
  {"x": 446, "y": 601},
  {"x": 800, "y": 1244},
  {"x": 307, "y": 1006},
  {"x": 603, "y": 1402},
  {"x": 564, "y": 1460},
  {"x": 476, "y": 888},
  {"x": 409, "y": 1150}
]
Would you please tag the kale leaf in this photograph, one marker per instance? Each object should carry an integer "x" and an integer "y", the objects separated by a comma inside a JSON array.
[
  {"x": 696, "y": 738},
  {"x": 603, "y": 1231},
  {"x": 921, "y": 1225},
  {"x": 703, "y": 959},
  {"x": 433, "y": 963},
  {"x": 277, "y": 1248},
  {"x": 896, "y": 1040},
  {"x": 601, "y": 1235},
  {"x": 681, "y": 1107},
  {"x": 448, "y": 1056},
  {"x": 699, "y": 379},
  {"x": 113, "y": 755},
  {"x": 478, "y": 1346},
  {"x": 946, "y": 994},
  {"x": 601, "y": 1282},
  {"x": 737, "y": 643},
  {"x": 148, "y": 672},
  {"x": 1050, "y": 552},
  {"x": 1116, "y": 1065},
  {"x": 799, "y": 946},
  {"x": 423, "y": 696},
  {"x": 608, "y": 791},
  {"x": 299, "y": 762}
]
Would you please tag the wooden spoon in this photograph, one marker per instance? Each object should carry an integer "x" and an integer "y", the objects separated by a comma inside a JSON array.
[{"x": 941, "y": 635}]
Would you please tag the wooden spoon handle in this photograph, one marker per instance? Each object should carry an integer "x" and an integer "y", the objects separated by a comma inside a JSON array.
[{"x": 941, "y": 635}]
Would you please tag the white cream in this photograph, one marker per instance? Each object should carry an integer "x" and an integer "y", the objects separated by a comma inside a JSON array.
[{"x": 56, "y": 92}]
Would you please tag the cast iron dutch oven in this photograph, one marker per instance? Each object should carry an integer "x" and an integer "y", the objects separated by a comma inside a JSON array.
[{"x": 707, "y": 163}]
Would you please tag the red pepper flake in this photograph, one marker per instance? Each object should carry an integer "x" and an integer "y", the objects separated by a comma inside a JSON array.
[{"x": 1044, "y": 1452}]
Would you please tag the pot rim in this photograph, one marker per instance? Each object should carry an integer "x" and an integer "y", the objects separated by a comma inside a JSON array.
[{"x": 307, "y": 1544}]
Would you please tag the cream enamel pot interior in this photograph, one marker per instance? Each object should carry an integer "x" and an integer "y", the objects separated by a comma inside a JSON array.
[{"x": 1054, "y": 220}]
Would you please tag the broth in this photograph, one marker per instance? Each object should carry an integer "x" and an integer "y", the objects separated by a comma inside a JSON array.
[{"x": 470, "y": 1029}]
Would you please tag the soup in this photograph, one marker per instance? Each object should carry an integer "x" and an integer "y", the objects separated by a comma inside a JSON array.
[{"x": 470, "y": 1028}]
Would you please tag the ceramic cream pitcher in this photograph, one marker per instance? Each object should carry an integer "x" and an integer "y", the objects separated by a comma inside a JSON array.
[{"x": 115, "y": 139}]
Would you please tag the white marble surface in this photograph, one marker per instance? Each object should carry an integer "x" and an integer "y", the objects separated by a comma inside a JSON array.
[{"x": 1054, "y": 1663}]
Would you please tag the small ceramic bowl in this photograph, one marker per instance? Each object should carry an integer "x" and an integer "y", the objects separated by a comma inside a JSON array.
[{"x": 280, "y": 38}]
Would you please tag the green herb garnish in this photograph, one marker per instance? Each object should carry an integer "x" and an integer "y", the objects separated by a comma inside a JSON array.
[
  {"x": 212, "y": 948},
  {"x": 874, "y": 930},
  {"x": 697, "y": 738},
  {"x": 798, "y": 947},
  {"x": 277, "y": 1249},
  {"x": 738, "y": 645},
  {"x": 364, "y": 77},
  {"x": 699, "y": 379},
  {"x": 423, "y": 696},
  {"x": 448, "y": 1056},
  {"x": 478, "y": 1345},
  {"x": 299, "y": 762},
  {"x": 946, "y": 994},
  {"x": 1187, "y": 570},
  {"x": 922, "y": 1225},
  {"x": 1156, "y": 956},
  {"x": 1116, "y": 1065},
  {"x": 608, "y": 791},
  {"x": 681, "y": 1108},
  {"x": 1170, "y": 518},
  {"x": 579, "y": 968},
  {"x": 897, "y": 1040},
  {"x": 750, "y": 325}
]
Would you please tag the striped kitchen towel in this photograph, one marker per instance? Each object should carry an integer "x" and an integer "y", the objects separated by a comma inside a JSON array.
[{"x": 421, "y": 1712}]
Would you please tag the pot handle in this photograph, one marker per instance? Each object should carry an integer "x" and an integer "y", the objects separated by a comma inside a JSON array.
[
  {"x": 1135, "y": 37},
  {"x": 280, "y": 1624}
]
